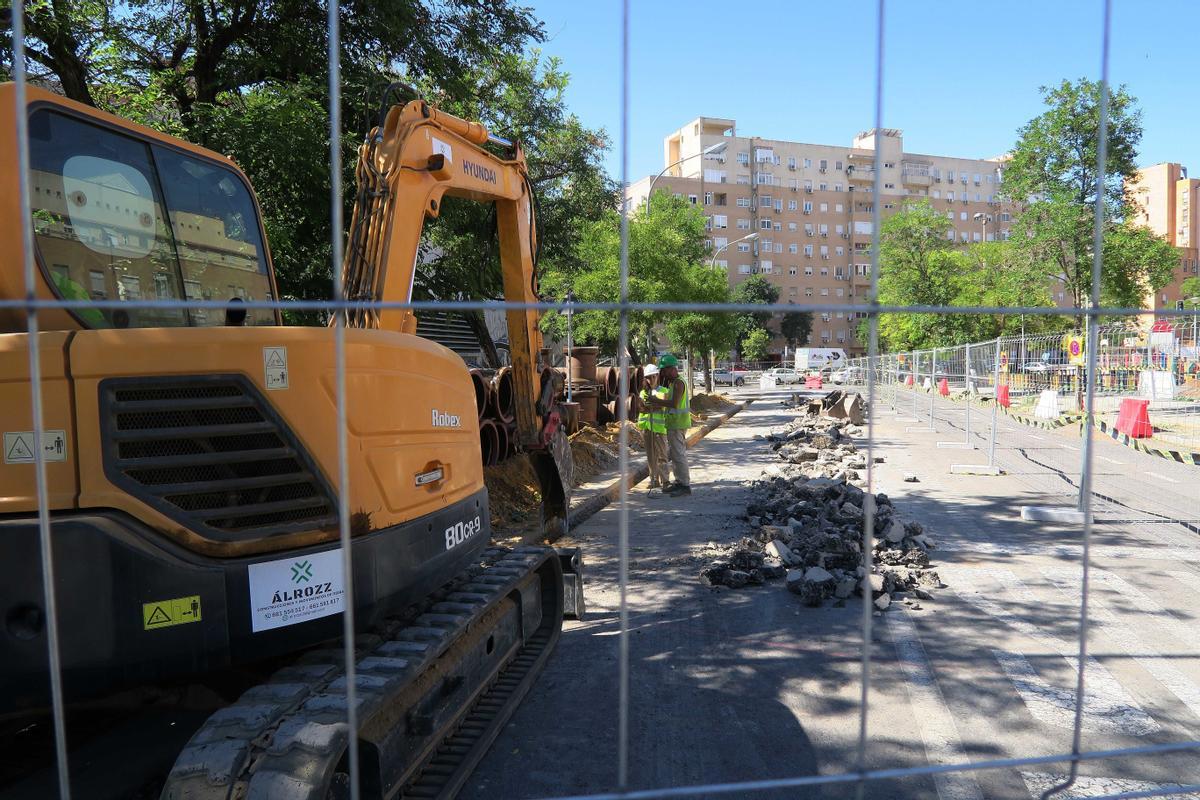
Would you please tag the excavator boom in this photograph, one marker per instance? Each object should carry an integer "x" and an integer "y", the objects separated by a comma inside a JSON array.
[{"x": 406, "y": 168}]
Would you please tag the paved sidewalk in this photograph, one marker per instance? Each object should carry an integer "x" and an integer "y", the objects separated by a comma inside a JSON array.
[{"x": 743, "y": 685}]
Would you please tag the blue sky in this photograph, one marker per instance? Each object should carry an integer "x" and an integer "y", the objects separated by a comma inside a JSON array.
[{"x": 960, "y": 75}]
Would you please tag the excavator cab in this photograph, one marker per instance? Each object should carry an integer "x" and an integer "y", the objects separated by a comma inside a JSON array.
[{"x": 192, "y": 456}]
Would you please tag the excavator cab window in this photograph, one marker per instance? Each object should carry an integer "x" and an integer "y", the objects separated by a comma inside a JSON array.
[{"x": 120, "y": 218}]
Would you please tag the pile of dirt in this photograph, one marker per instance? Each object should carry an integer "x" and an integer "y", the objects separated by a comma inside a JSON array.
[
  {"x": 513, "y": 494},
  {"x": 706, "y": 405}
]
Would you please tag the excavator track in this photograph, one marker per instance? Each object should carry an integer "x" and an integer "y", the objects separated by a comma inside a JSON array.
[{"x": 432, "y": 694}]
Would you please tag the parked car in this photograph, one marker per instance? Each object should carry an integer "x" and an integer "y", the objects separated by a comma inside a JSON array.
[
  {"x": 785, "y": 375},
  {"x": 848, "y": 375},
  {"x": 730, "y": 376}
]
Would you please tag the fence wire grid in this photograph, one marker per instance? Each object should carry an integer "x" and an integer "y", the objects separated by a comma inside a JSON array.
[{"x": 1114, "y": 363}]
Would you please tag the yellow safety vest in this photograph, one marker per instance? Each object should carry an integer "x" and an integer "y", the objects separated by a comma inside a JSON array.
[
  {"x": 658, "y": 416},
  {"x": 680, "y": 417}
]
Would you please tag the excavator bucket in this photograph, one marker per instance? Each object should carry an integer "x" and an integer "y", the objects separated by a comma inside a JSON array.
[{"x": 555, "y": 471}]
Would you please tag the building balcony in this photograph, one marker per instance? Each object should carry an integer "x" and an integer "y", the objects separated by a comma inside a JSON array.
[
  {"x": 861, "y": 174},
  {"x": 916, "y": 178}
]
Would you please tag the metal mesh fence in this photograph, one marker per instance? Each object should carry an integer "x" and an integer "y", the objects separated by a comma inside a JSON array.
[{"x": 1041, "y": 373}]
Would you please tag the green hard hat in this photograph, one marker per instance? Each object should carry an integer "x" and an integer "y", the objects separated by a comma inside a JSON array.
[{"x": 667, "y": 361}]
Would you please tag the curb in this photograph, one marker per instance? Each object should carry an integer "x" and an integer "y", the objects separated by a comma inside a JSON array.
[
  {"x": 1178, "y": 456},
  {"x": 1048, "y": 425},
  {"x": 603, "y": 497}
]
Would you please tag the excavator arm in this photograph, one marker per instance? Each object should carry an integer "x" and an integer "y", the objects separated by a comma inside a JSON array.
[{"x": 407, "y": 165}]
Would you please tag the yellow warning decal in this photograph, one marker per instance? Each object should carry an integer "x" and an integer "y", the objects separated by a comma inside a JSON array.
[{"x": 165, "y": 613}]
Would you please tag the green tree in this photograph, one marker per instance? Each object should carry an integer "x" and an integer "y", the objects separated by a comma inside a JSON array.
[
  {"x": 755, "y": 289},
  {"x": 666, "y": 254},
  {"x": 1053, "y": 174},
  {"x": 704, "y": 333},
  {"x": 795, "y": 327},
  {"x": 754, "y": 348},
  {"x": 1189, "y": 290},
  {"x": 248, "y": 79}
]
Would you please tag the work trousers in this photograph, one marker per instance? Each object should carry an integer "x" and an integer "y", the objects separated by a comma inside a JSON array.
[
  {"x": 677, "y": 449},
  {"x": 655, "y": 445}
]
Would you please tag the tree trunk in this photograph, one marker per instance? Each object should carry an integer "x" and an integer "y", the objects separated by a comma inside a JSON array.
[{"x": 487, "y": 346}]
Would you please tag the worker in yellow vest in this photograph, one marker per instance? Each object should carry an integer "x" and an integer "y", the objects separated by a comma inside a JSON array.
[
  {"x": 679, "y": 419},
  {"x": 653, "y": 424}
]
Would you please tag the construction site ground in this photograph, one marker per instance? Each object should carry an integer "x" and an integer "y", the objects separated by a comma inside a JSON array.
[{"x": 739, "y": 685}]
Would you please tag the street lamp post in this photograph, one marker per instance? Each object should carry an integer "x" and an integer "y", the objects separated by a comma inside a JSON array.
[
  {"x": 985, "y": 219},
  {"x": 712, "y": 262},
  {"x": 708, "y": 151}
]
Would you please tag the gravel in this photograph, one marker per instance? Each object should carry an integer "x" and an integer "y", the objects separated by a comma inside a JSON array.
[{"x": 806, "y": 520}]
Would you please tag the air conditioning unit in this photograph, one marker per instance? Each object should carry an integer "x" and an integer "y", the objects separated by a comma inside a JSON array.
[
  {"x": 939, "y": 180},
  {"x": 821, "y": 170},
  {"x": 793, "y": 188},
  {"x": 808, "y": 190},
  {"x": 845, "y": 236},
  {"x": 807, "y": 211},
  {"x": 792, "y": 167},
  {"x": 825, "y": 257},
  {"x": 825, "y": 235}
]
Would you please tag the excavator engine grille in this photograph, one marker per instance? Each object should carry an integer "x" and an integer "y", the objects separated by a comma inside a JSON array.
[{"x": 210, "y": 452}]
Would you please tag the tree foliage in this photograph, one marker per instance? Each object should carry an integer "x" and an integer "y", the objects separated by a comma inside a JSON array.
[
  {"x": 1053, "y": 174},
  {"x": 755, "y": 289},
  {"x": 795, "y": 327},
  {"x": 919, "y": 265},
  {"x": 667, "y": 263},
  {"x": 248, "y": 78},
  {"x": 754, "y": 348}
]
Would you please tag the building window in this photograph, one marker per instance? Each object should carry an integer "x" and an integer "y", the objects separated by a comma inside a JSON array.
[
  {"x": 889, "y": 165},
  {"x": 792, "y": 205},
  {"x": 764, "y": 224},
  {"x": 764, "y": 201},
  {"x": 778, "y": 226},
  {"x": 744, "y": 269},
  {"x": 824, "y": 187},
  {"x": 791, "y": 226},
  {"x": 808, "y": 292},
  {"x": 962, "y": 215},
  {"x": 808, "y": 270},
  {"x": 840, "y": 292},
  {"x": 743, "y": 247},
  {"x": 889, "y": 186},
  {"x": 692, "y": 199},
  {"x": 708, "y": 198},
  {"x": 807, "y": 163},
  {"x": 837, "y": 187},
  {"x": 744, "y": 158},
  {"x": 824, "y": 207},
  {"x": 838, "y": 208},
  {"x": 808, "y": 251},
  {"x": 720, "y": 221},
  {"x": 791, "y": 270},
  {"x": 825, "y": 293},
  {"x": 743, "y": 178},
  {"x": 743, "y": 224},
  {"x": 793, "y": 248},
  {"x": 720, "y": 241},
  {"x": 807, "y": 206}
]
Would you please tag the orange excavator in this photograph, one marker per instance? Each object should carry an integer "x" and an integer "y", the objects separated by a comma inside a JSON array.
[{"x": 192, "y": 467}]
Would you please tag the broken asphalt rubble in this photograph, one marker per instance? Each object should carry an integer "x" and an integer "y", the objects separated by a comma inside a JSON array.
[{"x": 806, "y": 519}]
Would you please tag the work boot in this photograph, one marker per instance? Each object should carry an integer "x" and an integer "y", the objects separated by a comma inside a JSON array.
[{"x": 678, "y": 490}]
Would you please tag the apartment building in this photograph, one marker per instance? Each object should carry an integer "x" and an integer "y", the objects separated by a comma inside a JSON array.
[
  {"x": 811, "y": 207},
  {"x": 1167, "y": 204}
]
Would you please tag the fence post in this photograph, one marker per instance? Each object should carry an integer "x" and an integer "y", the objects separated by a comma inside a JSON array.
[
  {"x": 995, "y": 407},
  {"x": 932, "y": 385},
  {"x": 967, "y": 379},
  {"x": 916, "y": 382}
]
